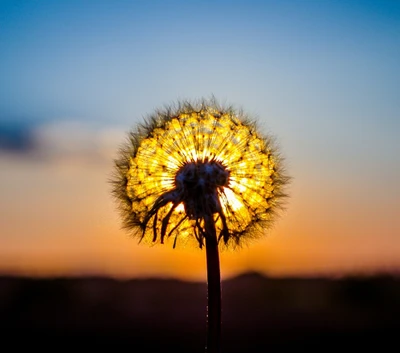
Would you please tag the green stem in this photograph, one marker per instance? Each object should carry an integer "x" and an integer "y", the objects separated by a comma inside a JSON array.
[{"x": 213, "y": 288}]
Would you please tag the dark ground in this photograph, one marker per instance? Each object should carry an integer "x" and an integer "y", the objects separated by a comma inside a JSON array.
[{"x": 259, "y": 314}]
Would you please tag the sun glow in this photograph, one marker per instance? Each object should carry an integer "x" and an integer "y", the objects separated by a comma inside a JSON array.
[{"x": 232, "y": 200}]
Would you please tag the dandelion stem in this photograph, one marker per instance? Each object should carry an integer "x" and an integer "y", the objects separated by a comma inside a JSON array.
[{"x": 213, "y": 287}]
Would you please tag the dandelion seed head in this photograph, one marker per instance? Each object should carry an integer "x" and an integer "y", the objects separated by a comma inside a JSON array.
[{"x": 196, "y": 161}]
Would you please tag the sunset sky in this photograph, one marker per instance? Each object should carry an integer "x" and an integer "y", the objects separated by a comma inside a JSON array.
[{"x": 322, "y": 76}]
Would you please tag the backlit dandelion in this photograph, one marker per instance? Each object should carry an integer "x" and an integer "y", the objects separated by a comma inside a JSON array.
[{"x": 199, "y": 174}]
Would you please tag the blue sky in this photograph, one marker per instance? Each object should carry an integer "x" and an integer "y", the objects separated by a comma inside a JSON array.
[
  {"x": 313, "y": 72},
  {"x": 323, "y": 76},
  {"x": 113, "y": 60}
]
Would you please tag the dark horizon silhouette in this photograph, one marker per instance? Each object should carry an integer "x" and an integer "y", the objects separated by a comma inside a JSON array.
[{"x": 259, "y": 313}]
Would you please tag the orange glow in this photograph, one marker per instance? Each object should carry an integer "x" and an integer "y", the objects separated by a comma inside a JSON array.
[{"x": 63, "y": 222}]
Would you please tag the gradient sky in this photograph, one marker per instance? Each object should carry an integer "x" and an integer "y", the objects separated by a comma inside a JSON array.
[{"x": 322, "y": 76}]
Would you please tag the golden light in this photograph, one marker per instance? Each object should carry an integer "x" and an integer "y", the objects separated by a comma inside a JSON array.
[{"x": 218, "y": 157}]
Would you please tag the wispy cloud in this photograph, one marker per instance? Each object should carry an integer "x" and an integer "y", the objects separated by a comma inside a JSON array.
[
  {"x": 61, "y": 142},
  {"x": 16, "y": 137}
]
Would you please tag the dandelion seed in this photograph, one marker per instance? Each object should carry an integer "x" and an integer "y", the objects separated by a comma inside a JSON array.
[
  {"x": 197, "y": 161},
  {"x": 199, "y": 174}
]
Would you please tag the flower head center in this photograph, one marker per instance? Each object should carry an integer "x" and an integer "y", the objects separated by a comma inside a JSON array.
[{"x": 199, "y": 183}]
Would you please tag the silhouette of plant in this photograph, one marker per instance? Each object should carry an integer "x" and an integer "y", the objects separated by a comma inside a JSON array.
[{"x": 199, "y": 173}]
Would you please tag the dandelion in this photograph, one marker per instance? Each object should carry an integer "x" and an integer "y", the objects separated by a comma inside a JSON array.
[{"x": 200, "y": 174}]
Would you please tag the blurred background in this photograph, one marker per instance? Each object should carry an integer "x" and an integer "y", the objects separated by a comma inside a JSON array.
[{"x": 322, "y": 76}]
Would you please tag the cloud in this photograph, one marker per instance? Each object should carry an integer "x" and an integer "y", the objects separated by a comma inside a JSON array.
[
  {"x": 16, "y": 137},
  {"x": 71, "y": 142}
]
